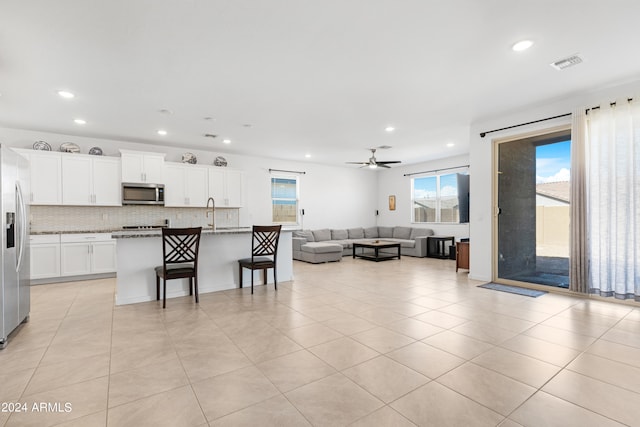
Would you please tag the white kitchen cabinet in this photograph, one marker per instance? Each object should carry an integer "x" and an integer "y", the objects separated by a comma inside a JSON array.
[
  {"x": 103, "y": 257},
  {"x": 75, "y": 259},
  {"x": 45, "y": 256},
  {"x": 234, "y": 183},
  {"x": 186, "y": 185},
  {"x": 45, "y": 176},
  {"x": 140, "y": 166},
  {"x": 90, "y": 181},
  {"x": 174, "y": 188},
  {"x": 226, "y": 187},
  {"x": 87, "y": 253},
  {"x": 107, "y": 184},
  {"x": 216, "y": 185}
]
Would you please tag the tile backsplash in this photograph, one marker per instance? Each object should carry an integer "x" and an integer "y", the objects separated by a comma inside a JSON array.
[{"x": 109, "y": 218}]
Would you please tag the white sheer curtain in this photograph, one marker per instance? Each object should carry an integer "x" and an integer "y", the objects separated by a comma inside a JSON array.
[{"x": 613, "y": 201}]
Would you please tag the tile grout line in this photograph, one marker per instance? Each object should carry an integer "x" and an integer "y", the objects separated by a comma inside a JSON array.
[{"x": 565, "y": 368}]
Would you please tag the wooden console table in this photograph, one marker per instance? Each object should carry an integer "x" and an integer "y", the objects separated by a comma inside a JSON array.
[{"x": 462, "y": 255}]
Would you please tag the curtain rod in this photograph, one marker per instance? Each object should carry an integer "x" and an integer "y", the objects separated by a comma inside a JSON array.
[
  {"x": 280, "y": 170},
  {"x": 436, "y": 170},
  {"x": 611, "y": 104},
  {"x": 483, "y": 134}
]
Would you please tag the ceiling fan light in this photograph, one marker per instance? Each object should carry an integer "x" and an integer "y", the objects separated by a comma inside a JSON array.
[{"x": 372, "y": 166}]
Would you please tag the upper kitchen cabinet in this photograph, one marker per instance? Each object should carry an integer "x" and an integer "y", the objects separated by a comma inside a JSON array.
[
  {"x": 141, "y": 166},
  {"x": 186, "y": 185},
  {"x": 45, "y": 175},
  {"x": 226, "y": 187},
  {"x": 91, "y": 180}
]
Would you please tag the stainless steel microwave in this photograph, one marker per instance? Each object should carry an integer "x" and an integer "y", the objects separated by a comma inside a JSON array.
[{"x": 142, "y": 194}]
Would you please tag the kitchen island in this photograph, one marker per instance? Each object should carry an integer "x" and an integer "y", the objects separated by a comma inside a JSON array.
[{"x": 140, "y": 251}]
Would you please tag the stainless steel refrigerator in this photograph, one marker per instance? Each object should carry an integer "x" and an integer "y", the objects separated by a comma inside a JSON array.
[{"x": 14, "y": 254}]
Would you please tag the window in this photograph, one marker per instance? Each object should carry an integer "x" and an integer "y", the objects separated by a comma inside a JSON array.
[
  {"x": 284, "y": 199},
  {"x": 436, "y": 198}
]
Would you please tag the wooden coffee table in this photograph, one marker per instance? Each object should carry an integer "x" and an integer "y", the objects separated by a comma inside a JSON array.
[{"x": 376, "y": 245}]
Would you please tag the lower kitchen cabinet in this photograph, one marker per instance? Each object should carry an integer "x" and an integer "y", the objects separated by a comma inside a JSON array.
[
  {"x": 103, "y": 257},
  {"x": 82, "y": 254},
  {"x": 56, "y": 255},
  {"x": 45, "y": 256}
]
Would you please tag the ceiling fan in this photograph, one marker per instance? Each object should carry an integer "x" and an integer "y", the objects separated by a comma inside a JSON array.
[{"x": 373, "y": 163}]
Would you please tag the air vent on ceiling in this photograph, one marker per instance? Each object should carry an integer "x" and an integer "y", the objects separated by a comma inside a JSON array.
[{"x": 566, "y": 62}]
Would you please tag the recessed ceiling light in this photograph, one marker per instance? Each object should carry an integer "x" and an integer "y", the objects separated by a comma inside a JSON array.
[
  {"x": 65, "y": 94},
  {"x": 389, "y": 128},
  {"x": 79, "y": 121},
  {"x": 226, "y": 141},
  {"x": 522, "y": 45},
  {"x": 451, "y": 144},
  {"x": 162, "y": 132},
  {"x": 307, "y": 155}
]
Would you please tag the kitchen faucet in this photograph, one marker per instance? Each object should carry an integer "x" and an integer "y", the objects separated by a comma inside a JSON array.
[{"x": 213, "y": 212}]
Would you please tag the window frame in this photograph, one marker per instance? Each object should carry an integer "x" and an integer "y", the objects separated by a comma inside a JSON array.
[
  {"x": 286, "y": 176},
  {"x": 438, "y": 198}
]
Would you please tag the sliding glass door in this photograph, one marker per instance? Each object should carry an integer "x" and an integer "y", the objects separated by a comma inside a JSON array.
[{"x": 532, "y": 215}]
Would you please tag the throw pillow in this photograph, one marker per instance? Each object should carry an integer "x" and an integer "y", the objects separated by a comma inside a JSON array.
[
  {"x": 356, "y": 233},
  {"x": 385, "y": 232},
  {"x": 339, "y": 235},
  {"x": 420, "y": 232},
  {"x": 401, "y": 232},
  {"x": 307, "y": 234},
  {"x": 371, "y": 233},
  {"x": 321, "y": 235}
]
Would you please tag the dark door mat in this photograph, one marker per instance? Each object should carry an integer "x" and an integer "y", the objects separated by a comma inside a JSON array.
[
  {"x": 549, "y": 279},
  {"x": 513, "y": 289}
]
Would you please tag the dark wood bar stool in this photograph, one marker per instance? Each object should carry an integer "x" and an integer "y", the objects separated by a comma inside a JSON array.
[
  {"x": 264, "y": 251},
  {"x": 180, "y": 259}
]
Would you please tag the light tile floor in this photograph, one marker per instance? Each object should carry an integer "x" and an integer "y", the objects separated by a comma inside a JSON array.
[{"x": 403, "y": 342}]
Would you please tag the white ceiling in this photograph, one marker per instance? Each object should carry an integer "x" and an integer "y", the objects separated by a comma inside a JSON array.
[{"x": 310, "y": 77}]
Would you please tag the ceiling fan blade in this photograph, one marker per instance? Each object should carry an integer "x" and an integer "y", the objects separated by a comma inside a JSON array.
[
  {"x": 389, "y": 162},
  {"x": 357, "y": 163},
  {"x": 382, "y": 165}
]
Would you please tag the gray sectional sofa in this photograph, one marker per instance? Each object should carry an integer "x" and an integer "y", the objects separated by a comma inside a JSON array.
[{"x": 325, "y": 245}]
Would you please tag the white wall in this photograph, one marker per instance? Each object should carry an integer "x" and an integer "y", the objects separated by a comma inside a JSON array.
[
  {"x": 393, "y": 182},
  {"x": 332, "y": 197},
  {"x": 481, "y": 160}
]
